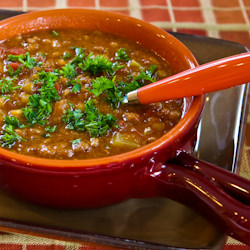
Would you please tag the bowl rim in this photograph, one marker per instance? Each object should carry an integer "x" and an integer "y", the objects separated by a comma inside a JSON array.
[{"x": 185, "y": 124}]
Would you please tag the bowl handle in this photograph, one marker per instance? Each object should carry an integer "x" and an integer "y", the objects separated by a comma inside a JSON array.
[{"x": 216, "y": 193}]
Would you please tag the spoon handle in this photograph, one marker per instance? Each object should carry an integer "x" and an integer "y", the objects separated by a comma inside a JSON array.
[{"x": 217, "y": 75}]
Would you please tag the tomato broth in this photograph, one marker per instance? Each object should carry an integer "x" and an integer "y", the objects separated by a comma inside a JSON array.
[{"x": 61, "y": 95}]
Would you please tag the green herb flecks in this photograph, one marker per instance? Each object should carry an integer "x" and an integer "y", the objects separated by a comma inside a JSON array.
[
  {"x": 27, "y": 61},
  {"x": 76, "y": 141},
  {"x": 66, "y": 55},
  {"x": 97, "y": 124},
  {"x": 91, "y": 120},
  {"x": 80, "y": 56},
  {"x": 101, "y": 84},
  {"x": 6, "y": 85},
  {"x": 99, "y": 64},
  {"x": 122, "y": 55},
  {"x": 13, "y": 72},
  {"x": 68, "y": 71},
  {"x": 54, "y": 33},
  {"x": 49, "y": 130},
  {"x": 116, "y": 91},
  {"x": 9, "y": 136},
  {"x": 76, "y": 86},
  {"x": 74, "y": 119},
  {"x": 39, "y": 105},
  {"x": 146, "y": 75},
  {"x": 12, "y": 120},
  {"x": 114, "y": 95}
]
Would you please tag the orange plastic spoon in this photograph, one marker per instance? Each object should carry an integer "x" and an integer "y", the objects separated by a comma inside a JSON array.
[{"x": 217, "y": 75}]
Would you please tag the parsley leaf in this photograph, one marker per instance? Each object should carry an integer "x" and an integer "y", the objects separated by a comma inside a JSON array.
[
  {"x": 54, "y": 33},
  {"x": 39, "y": 107},
  {"x": 47, "y": 91},
  {"x": 37, "y": 110},
  {"x": 49, "y": 130},
  {"x": 98, "y": 64},
  {"x": 12, "y": 120},
  {"x": 6, "y": 85},
  {"x": 73, "y": 119},
  {"x": 66, "y": 55},
  {"x": 12, "y": 72},
  {"x": 76, "y": 141},
  {"x": 91, "y": 120},
  {"x": 101, "y": 84},
  {"x": 9, "y": 136},
  {"x": 122, "y": 55},
  {"x": 145, "y": 76},
  {"x": 68, "y": 71},
  {"x": 97, "y": 124},
  {"x": 76, "y": 85},
  {"x": 80, "y": 56},
  {"x": 26, "y": 60}
]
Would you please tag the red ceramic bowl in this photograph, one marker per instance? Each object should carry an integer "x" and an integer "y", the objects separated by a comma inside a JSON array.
[{"x": 139, "y": 173}]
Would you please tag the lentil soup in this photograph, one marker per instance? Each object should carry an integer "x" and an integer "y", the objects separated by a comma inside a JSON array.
[{"x": 61, "y": 95}]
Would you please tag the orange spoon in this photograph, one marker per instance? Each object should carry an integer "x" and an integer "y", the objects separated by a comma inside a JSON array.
[{"x": 217, "y": 75}]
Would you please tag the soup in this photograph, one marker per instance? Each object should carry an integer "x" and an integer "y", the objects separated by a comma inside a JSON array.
[{"x": 62, "y": 91}]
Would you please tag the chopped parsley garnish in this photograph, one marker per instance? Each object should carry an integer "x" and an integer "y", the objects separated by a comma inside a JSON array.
[
  {"x": 146, "y": 75},
  {"x": 26, "y": 60},
  {"x": 9, "y": 136},
  {"x": 74, "y": 119},
  {"x": 97, "y": 124},
  {"x": 49, "y": 130},
  {"x": 80, "y": 56},
  {"x": 6, "y": 85},
  {"x": 91, "y": 120},
  {"x": 54, "y": 33},
  {"x": 68, "y": 71},
  {"x": 39, "y": 107},
  {"x": 76, "y": 141},
  {"x": 37, "y": 110},
  {"x": 66, "y": 55},
  {"x": 101, "y": 84},
  {"x": 47, "y": 91},
  {"x": 122, "y": 55},
  {"x": 12, "y": 120},
  {"x": 99, "y": 64},
  {"x": 116, "y": 92},
  {"x": 76, "y": 85},
  {"x": 14, "y": 72}
]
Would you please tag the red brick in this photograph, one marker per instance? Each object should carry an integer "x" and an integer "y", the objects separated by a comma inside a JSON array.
[
  {"x": 229, "y": 16},
  {"x": 45, "y": 247},
  {"x": 153, "y": 14},
  {"x": 246, "y": 3},
  {"x": 4, "y": 246},
  {"x": 43, "y": 3},
  {"x": 186, "y": 3},
  {"x": 188, "y": 16},
  {"x": 153, "y": 2},
  {"x": 11, "y": 3},
  {"x": 80, "y": 3},
  {"x": 225, "y": 3},
  {"x": 113, "y": 3}
]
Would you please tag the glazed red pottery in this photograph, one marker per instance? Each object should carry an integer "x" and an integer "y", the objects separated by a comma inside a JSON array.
[{"x": 140, "y": 173}]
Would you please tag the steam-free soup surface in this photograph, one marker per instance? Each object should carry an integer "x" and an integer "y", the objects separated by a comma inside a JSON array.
[{"x": 61, "y": 95}]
